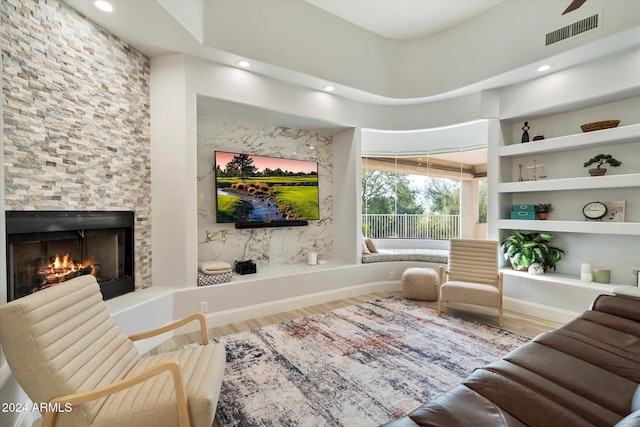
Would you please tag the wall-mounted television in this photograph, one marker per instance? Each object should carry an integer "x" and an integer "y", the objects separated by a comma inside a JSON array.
[{"x": 254, "y": 190}]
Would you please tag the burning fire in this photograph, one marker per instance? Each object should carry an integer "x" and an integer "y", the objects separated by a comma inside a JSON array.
[
  {"x": 63, "y": 264},
  {"x": 64, "y": 268}
]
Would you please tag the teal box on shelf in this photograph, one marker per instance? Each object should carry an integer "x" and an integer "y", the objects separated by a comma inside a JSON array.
[
  {"x": 523, "y": 215},
  {"x": 525, "y": 208}
]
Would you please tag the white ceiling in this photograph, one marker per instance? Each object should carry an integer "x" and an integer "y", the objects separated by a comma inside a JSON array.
[
  {"x": 276, "y": 35},
  {"x": 281, "y": 38},
  {"x": 405, "y": 19}
]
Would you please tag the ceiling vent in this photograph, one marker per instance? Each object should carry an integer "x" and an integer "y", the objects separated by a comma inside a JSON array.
[{"x": 571, "y": 30}]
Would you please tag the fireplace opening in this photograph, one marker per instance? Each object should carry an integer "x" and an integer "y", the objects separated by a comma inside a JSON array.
[{"x": 46, "y": 248}]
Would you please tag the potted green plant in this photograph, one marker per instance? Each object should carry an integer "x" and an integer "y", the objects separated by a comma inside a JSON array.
[
  {"x": 601, "y": 159},
  {"x": 543, "y": 210},
  {"x": 524, "y": 249}
]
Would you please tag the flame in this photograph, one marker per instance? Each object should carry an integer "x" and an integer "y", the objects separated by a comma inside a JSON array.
[{"x": 63, "y": 265}]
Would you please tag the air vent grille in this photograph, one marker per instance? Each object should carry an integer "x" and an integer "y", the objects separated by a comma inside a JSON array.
[{"x": 571, "y": 30}]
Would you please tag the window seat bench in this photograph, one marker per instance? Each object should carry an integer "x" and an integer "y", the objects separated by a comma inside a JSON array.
[{"x": 438, "y": 256}]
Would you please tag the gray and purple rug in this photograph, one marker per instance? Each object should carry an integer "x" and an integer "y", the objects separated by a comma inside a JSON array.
[{"x": 362, "y": 365}]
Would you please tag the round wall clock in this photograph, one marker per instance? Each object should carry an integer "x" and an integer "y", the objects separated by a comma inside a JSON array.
[{"x": 594, "y": 210}]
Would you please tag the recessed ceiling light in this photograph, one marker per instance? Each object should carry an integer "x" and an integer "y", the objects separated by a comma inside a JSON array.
[
  {"x": 545, "y": 67},
  {"x": 244, "y": 64},
  {"x": 103, "y": 6},
  {"x": 329, "y": 88}
]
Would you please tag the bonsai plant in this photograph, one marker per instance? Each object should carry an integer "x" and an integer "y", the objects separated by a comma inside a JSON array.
[
  {"x": 601, "y": 159},
  {"x": 524, "y": 249},
  {"x": 543, "y": 210}
]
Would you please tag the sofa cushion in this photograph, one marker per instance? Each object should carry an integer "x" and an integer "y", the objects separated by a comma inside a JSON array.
[
  {"x": 618, "y": 306},
  {"x": 592, "y": 350},
  {"x": 459, "y": 407},
  {"x": 611, "y": 337},
  {"x": 614, "y": 322},
  {"x": 530, "y": 406},
  {"x": 573, "y": 402},
  {"x": 600, "y": 386}
]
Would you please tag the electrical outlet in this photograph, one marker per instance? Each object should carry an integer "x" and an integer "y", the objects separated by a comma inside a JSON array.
[
  {"x": 204, "y": 307},
  {"x": 392, "y": 275}
]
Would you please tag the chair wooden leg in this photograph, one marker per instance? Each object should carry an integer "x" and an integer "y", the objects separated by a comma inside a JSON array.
[
  {"x": 439, "y": 306},
  {"x": 500, "y": 320}
]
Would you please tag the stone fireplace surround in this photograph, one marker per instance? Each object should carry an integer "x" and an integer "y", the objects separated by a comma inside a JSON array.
[{"x": 76, "y": 119}]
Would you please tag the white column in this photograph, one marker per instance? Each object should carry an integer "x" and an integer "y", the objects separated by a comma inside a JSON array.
[{"x": 469, "y": 208}]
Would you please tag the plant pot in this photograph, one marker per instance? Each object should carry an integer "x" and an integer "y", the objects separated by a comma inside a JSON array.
[
  {"x": 597, "y": 171},
  {"x": 543, "y": 215},
  {"x": 513, "y": 267}
]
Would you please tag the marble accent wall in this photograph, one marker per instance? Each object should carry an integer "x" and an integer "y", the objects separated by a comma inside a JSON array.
[
  {"x": 76, "y": 118},
  {"x": 267, "y": 246}
]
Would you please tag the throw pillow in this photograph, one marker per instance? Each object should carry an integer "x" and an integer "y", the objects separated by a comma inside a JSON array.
[
  {"x": 365, "y": 249},
  {"x": 371, "y": 246}
]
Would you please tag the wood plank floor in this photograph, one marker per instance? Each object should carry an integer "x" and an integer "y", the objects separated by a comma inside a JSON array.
[{"x": 515, "y": 322}]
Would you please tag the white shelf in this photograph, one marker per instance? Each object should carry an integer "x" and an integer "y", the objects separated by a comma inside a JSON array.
[
  {"x": 593, "y": 227},
  {"x": 600, "y": 138},
  {"x": 562, "y": 279},
  {"x": 580, "y": 183}
]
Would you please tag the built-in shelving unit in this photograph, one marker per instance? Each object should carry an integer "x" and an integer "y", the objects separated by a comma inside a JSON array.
[{"x": 565, "y": 183}]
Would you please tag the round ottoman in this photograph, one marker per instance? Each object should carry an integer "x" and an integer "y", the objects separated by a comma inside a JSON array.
[{"x": 420, "y": 284}]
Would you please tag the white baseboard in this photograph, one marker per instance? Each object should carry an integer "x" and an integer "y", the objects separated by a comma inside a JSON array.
[
  {"x": 273, "y": 307},
  {"x": 241, "y": 314},
  {"x": 546, "y": 312}
]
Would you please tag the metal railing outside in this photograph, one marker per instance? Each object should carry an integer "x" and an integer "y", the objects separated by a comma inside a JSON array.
[{"x": 411, "y": 226}]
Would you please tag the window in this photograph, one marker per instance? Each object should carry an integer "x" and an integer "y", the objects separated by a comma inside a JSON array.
[{"x": 417, "y": 197}]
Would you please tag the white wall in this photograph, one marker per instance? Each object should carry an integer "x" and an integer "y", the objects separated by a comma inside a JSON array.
[{"x": 177, "y": 81}]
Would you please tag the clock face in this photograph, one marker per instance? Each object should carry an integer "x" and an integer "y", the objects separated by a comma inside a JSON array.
[{"x": 594, "y": 210}]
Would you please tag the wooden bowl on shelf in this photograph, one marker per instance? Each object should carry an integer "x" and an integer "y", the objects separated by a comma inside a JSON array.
[{"x": 605, "y": 124}]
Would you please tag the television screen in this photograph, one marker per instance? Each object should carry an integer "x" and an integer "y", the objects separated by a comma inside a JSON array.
[{"x": 252, "y": 188}]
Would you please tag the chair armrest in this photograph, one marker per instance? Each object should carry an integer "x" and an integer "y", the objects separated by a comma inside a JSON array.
[
  {"x": 173, "y": 325},
  {"x": 443, "y": 275},
  {"x": 171, "y": 365}
]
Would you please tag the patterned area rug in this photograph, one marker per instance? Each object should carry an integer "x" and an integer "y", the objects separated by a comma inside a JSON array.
[{"x": 363, "y": 365}]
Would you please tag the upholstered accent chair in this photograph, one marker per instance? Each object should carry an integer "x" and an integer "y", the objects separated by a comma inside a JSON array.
[
  {"x": 472, "y": 275},
  {"x": 63, "y": 348}
]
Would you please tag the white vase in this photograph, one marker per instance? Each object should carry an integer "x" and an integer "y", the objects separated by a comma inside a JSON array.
[{"x": 312, "y": 258}]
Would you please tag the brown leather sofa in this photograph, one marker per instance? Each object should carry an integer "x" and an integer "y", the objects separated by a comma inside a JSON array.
[{"x": 583, "y": 374}]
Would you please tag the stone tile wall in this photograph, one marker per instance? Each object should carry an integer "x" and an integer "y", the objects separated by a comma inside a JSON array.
[{"x": 76, "y": 118}]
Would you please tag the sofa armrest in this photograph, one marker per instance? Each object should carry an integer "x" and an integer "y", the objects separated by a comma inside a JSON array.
[
  {"x": 49, "y": 417},
  {"x": 174, "y": 325},
  {"x": 617, "y": 305}
]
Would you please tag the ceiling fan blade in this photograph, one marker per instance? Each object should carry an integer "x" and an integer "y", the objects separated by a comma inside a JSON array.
[{"x": 573, "y": 6}]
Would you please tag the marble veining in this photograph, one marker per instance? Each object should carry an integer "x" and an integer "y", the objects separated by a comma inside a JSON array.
[{"x": 267, "y": 246}]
